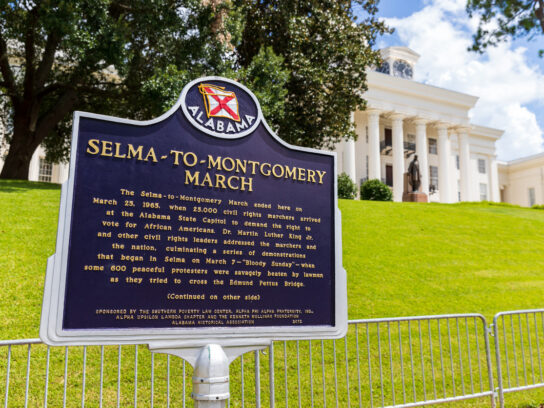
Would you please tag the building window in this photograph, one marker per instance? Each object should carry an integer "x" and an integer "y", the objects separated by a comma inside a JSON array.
[
  {"x": 481, "y": 166},
  {"x": 457, "y": 161},
  {"x": 388, "y": 135},
  {"x": 532, "y": 199},
  {"x": 366, "y": 134},
  {"x": 433, "y": 176},
  {"x": 384, "y": 68},
  {"x": 483, "y": 192},
  {"x": 402, "y": 69},
  {"x": 46, "y": 170},
  {"x": 458, "y": 189},
  {"x": 433, "y": 148},
  {"x": 410, "y": 143},
  {"x": 367, "y": 167}
]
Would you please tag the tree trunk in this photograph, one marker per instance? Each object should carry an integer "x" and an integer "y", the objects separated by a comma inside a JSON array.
[
  {"x": 539, "y": 12},
  {"x": 19, "y": 155},
  {"x": 22, "y": 145},
  {"x": 29, "y": 133}
]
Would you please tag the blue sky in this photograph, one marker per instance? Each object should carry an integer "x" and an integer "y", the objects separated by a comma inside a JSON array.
[
  {"x": 509, "y": 79},
  {"x": 399, "y": 8}
]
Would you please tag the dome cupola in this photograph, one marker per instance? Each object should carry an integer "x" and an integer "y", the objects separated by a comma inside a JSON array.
[{"x": 398, "y": 61}]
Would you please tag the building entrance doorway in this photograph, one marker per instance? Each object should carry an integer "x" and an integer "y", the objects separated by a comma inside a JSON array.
[{"x": 389, "y": 175}]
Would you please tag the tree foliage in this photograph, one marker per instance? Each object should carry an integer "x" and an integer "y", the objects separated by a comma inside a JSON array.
[
  {"x": 501, "y": 20},
  {"x": 304, "y": 59},
  {"x": 347, "y": 189},
  {"x": 262, "y": 76},
  {"x": 57, "y": 56},
  {"x": 326, "y": 52}
]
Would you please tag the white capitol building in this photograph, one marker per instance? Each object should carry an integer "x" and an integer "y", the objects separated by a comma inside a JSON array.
[{"x": 457, "y": 159}]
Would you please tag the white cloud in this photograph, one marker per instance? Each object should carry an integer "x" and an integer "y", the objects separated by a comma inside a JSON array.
[{"x": 506, "y": 82}]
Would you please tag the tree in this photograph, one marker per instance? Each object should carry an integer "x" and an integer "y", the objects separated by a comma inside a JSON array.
[
  {"x": 501, "y": 20},
  {"x": 57, "y": 56},
  {"x": 264, "y": 76},
  {"x": 326, "y": 52},
  {"x": 304, "y": 59}
]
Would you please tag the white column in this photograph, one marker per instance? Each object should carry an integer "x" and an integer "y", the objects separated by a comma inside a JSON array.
[
  {"x": 452, "y": 174},
  {"x": 422, "y": 153},
  {"x": 374, "y": 164},
  {"x": 63, "y": 172},
  {"x": 494, "y": 179},
  {"x": 349, "y": 156},
  {"x": 34, "y": 167},
  {"x": 398, "y": 157},
  {"x": 444, "y": 153},
  {"x": 464, "y": 165}
]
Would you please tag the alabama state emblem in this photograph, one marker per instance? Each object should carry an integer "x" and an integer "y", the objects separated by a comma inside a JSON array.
[
  {"x": 221, "y": 107},
  {"x": 219, "y": 103}
]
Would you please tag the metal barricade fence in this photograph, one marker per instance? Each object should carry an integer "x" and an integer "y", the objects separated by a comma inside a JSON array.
[
  {"x": 518, "y": 338},
  {"x": 36, "y": 375},
  {"x": 402, "y": 362}
]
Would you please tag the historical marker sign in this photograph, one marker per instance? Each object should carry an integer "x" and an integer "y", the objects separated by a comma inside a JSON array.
[{"x": 201, "y": 223}]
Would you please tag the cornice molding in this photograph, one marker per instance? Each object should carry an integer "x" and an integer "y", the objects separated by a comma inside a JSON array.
[{"x": 419, "y": 90}]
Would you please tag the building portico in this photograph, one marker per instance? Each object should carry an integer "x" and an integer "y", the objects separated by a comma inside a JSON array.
[{"x": 404, "y": 118}]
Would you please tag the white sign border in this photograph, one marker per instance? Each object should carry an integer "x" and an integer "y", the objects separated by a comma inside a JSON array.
[{"x": 51, "y": 331}]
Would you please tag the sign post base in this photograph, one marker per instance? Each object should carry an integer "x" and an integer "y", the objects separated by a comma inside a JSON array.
[{"x": 210, "y": 364}]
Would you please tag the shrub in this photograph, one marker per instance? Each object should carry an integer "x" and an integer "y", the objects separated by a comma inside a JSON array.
[
  {"x": 346, "y": 187},
  {"x": 375, "y": 190},
  {"x": 538, "y": 207}
]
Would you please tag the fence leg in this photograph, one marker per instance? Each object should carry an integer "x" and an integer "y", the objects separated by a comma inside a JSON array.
[
  {"x": 257, "y": 379},
  {"x": 498, "y": 359},
  {"x": 211, "y": 378},
  {"x": 271, "y": 373},
  {"x": 487, "y": 331}
]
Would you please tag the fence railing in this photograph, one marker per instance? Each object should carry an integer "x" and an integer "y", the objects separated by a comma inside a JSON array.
[
  {"x": 391, "y": 362},
  {"x": 401, "y": 362},
  {"x": 518, "y": 338}
]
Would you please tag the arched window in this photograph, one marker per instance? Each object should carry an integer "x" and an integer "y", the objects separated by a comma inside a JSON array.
[
  {"x": 384, "y": 68},
  {"x": 402, "y": 69}
]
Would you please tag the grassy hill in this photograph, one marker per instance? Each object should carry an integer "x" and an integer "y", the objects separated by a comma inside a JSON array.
[
  {"x": 414, "y": 259},
  {"x": 402, "y": 259}
]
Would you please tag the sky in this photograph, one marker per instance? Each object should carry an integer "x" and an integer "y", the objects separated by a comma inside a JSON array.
[{"x": 509, "y": 79}]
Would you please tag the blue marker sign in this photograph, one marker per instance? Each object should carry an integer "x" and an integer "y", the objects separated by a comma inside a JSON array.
[{"x": 201, "y": 222}]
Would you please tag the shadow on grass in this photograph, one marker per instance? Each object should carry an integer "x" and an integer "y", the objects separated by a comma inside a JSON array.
[{"x": 18, "y": 186}]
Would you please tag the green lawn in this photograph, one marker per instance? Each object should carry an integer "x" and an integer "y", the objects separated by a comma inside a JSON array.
[
  {"x": 417, "y": 259},
  {"x": 28, "y": 227},
  {"x": 401, "y": 259}
]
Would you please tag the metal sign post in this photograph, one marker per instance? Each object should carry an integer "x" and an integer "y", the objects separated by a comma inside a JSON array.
[
  {"x": 199, "y": 233},
  {"x": 211, "y": 377},
  {"x": 211, "y": 367}
]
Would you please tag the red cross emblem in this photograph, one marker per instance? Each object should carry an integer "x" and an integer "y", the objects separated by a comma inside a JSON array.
[{"x": 219, "y": 103}]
